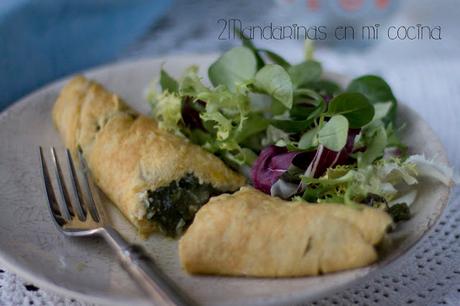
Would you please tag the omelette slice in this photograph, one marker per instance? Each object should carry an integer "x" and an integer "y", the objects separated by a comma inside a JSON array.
[
  {"x": 250, "y": 233},
  {"x": 158, "y": 180}
]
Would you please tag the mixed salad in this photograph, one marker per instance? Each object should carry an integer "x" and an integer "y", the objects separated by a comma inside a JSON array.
[{"x": 294, "y": 133}]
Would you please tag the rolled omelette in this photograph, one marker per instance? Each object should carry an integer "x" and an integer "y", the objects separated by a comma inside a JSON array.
[
  {"x": 158, "y": 180},
  {"x": 250, "y": 233}
]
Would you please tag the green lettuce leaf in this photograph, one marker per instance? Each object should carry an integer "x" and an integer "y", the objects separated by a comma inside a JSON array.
[
  {"x": 167, "y": 82},
  {"x": 305, "y": 73},
  {"x": 275, "y": 81},
  {"x": 238, "y": 65},
  {"x": 333, "y": 135},
  {"x": 376, "y": 90},
  {"x": 166, "y": 108},
  {"x": 354, "y": 106}
]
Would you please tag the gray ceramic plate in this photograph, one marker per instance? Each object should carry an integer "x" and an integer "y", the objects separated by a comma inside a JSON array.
[{"x": 86, "y": 269}]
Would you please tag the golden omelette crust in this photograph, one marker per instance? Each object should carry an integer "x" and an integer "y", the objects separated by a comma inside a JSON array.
[
  {"x": 253, "y": 234},
  {"x": 128, "y": 153}
]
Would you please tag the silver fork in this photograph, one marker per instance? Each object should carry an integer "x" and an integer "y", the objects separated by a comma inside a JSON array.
[{"x": 72, "y": 219}]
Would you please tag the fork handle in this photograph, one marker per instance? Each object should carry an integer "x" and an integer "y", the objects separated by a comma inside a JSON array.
[{"x": 145, "y": 272}]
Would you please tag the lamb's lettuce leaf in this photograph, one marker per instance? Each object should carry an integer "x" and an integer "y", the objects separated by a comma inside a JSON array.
[
  {"x": 275, "y": 58},
  {"x": 333, "y": 135},
  {"x": 238, "y": 65},
  {"x": 275, "y": 81},
  {"x": 376, "y": 90},
  {"x": 354, "y": 106},
  {"x": 305, "y": 73}
]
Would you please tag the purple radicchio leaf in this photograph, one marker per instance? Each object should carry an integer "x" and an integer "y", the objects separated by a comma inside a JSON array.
[
  {"x": 190, "y": 113},
  {"x": 325, "y": 158},
  {"x": 289, "y": 184},
  {"x": 271, "y": 163}
]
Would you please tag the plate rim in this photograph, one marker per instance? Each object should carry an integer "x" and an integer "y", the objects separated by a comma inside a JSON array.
[{"x": 368, "y": 271}]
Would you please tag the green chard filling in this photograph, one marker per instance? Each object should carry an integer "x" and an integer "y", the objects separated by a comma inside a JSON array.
[{"x": 173, "y": 207}]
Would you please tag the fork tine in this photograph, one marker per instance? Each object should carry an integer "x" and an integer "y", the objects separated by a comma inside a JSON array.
[
  {"x": 53, "y": 206},
  {"x": 91, "y": 203},
  {"x": 66, "y": 207},
  {"x": 78, "y": 206}
]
